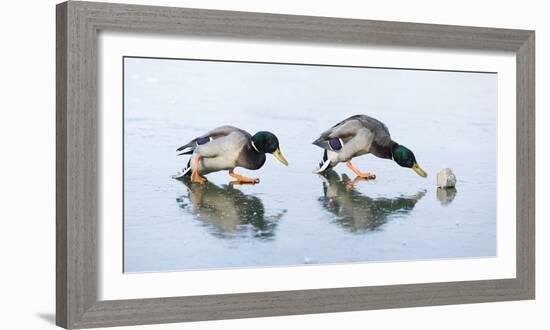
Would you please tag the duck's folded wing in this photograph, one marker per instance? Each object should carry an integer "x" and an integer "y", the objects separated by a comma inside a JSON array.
[
  {"x": 216, "y": 133},
  {"x": 335, "y": 138},
  {"x": 382, "y": 143},
  {"x": 381, "y": 133},
  {"x": 188, "y": 148}
]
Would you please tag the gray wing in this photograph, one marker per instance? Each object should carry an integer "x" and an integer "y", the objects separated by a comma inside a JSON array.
[
  {"x": 344, "y": 130},
  {"x": 348, "y": 128},
  {"x": 216, "y": 133},
  {"x": 374, "y": 136},
  {"x": 382, "y": 143},
  {"x": 382, "y": 135}
]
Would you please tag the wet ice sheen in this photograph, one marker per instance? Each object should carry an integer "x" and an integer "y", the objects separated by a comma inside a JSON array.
[{"x": 294, "y": 217}]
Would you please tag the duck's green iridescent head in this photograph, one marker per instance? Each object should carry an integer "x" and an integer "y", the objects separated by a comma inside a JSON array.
[
  {"x": 404, "y": 157},
  {"x": 267, "y": 142}
]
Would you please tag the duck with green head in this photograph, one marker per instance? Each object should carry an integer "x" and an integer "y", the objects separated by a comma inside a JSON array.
[
  {"x": 359, "y": 135},
  {"x": 226, "y": 148}
]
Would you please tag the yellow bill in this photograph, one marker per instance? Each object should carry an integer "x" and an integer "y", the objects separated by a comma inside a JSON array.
[
  {"x": 419, "y": 171},
  {"x": 277, "y": 154}
]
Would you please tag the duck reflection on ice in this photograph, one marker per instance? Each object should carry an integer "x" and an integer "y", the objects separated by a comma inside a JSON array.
[
  {"x": 228, "y": 212},
  {"x": 359, "y": 213}
]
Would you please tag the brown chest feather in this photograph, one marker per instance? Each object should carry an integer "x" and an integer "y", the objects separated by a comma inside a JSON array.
[{"x": 250, "y": 158}]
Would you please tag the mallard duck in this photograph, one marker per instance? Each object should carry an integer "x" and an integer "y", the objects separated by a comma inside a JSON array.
[
  {"x": 225, "y": 148},
  {"x": 359, "y": 135}
]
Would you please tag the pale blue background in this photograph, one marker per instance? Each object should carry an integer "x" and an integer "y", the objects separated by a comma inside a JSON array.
[{"x": 448, "y": 119}]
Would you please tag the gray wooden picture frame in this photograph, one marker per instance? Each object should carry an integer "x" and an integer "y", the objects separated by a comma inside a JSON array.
[{"x": 78, "y": 24}]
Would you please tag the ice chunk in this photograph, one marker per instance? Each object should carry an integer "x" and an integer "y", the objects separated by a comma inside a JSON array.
[{"x": 446, "y": 178}]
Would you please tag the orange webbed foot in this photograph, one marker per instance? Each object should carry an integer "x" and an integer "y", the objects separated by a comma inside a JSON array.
[
  {"x": 243, "y": 179},
  {"x": 363, "y": 175}
]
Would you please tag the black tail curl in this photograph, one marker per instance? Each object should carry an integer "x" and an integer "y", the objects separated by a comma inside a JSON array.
[
  {"x": 323, "y": 165},
  {"x": 187, "y": 169}
]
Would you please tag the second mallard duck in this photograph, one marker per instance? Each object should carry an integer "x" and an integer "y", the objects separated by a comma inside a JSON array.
[
  {"x": 359, "y": 135},
  {"x": 225, "y": 148}
]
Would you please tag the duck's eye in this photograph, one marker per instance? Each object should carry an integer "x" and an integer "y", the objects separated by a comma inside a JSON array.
[
  {"x": 203, "y": 140},
  {"x": 335, "y": 143}
]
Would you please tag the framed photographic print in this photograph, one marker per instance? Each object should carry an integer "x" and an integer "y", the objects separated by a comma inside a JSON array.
[{"x": 217, "y": 164}]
